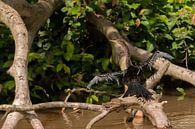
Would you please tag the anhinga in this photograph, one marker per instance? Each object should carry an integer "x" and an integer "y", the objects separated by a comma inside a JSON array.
[{"x": 132, "y": 77}]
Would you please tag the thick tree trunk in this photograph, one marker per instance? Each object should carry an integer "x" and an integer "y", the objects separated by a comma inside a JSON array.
[{"x": 34, "y": 17}]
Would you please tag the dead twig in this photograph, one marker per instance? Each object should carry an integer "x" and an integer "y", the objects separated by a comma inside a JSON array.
[{"x": 74, "y": 90}]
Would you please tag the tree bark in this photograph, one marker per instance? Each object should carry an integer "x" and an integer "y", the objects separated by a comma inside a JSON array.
[
  {"x": 18, "y": 70},
  {"x": 34, "y": 17}
]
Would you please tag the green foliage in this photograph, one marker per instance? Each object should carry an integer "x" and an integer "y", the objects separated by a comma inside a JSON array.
[
  {"x": 182, "y": 92},
  {"x": 67, "y": 54},
  {"x": 165, "y": 25},
  {"x": 91, "y": 99}
]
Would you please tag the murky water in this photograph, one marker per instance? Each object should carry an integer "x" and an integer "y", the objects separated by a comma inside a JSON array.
[{"x": 181, "y": 114}]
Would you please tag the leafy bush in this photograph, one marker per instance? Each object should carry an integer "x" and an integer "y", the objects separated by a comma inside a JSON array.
[{"x": 67, "y": 53}]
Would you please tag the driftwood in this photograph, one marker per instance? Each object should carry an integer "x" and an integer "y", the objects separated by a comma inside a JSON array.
[
  {"x": 24, "y": 20},
  {"x": 104, "y": 109}
]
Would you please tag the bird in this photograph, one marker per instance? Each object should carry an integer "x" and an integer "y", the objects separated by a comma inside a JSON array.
[{"x": 132, "y": 77}]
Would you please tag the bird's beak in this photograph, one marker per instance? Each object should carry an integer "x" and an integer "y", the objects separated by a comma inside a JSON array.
[{"x": 166, "y": 55}]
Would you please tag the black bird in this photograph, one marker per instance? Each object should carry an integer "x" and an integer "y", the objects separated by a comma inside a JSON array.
[
  {"x": 133, "y": 77},
  {"x": 135, "y": 81}
]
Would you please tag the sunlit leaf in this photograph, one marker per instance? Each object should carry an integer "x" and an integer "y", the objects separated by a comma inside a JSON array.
[
  {"x": 181, "y": 90},
  {"x": 89, "y": 100},
  {"x": 95, "y": 98}
]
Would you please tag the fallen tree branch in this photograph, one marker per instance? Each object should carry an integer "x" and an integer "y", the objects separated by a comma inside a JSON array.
[
  {"x": 123, "y": 49},
  {"x": 153, "y": 109},
  {"x": 175, "y": 71},
  {"x": 156, "y": 77},
  {"x": 56, "y": 104}
]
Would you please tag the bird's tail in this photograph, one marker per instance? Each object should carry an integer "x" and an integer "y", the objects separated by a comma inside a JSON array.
[{"x": 138, "y": 90}]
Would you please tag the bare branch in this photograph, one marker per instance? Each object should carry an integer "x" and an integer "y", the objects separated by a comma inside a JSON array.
[
  {"x": 154, "y": 79},
  {"x": 173, "y": 70},
  {"x": 57, "y": 104}
]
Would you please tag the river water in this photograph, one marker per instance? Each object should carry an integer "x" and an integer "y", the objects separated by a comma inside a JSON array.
[{"x": 181, "y": 114}]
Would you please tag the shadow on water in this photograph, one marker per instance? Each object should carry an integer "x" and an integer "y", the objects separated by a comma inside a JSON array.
[{"x": 181, "y": 114}]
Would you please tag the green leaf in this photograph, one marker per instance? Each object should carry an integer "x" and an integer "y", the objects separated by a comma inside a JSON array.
[
  {"x": 105, "y": 63},
  {"x": 76, "y": 57},
  {"x": 145, "y": 23},
  {"x": 149, "y": 46},
  {"x": 69, "y": 50},
  {"x": 7, "y": 64},
  {"x": 59, "y": 67},
  {"x": 69, "y": 3},
  {"x": 46, "y": 46},
  {"x": 133, "y": 6},
  {"x": 89, "y": 9},
  {"x": 9, "y": 85},
  {"x": 87, "y": 57},
  {"x": 38, "y": 88},
  {"x": 66, "y": 69},
  {"x": 172, "y": 22},
  {"x": 170, "y": 1},
  {"x": 163, "y": 18},
  {"x": 33, "y": 56},
  {"x": 95, "y": 98},
  {"x": 108, "y": 12},
  {"x": 133, "y": 15},
  {"x": 89, "y": 100},
  {"x": 181, "y": 91},
  {"x": 168, "y": 36},
  {"x": 175, "y": 45}
]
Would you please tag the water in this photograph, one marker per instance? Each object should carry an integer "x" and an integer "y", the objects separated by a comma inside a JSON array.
[{"x": 180, "y": 113}]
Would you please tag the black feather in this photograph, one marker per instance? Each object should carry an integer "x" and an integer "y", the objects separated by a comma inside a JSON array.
[
  {"x": 135, "y": 81},
  {"x": 138, "y": 90}
]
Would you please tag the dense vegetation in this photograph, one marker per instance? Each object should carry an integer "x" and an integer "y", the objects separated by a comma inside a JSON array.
[{"x": 67, "y": 53}]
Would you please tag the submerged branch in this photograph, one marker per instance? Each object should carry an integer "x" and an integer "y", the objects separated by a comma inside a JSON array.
[{"x": 150, "y": 107}]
